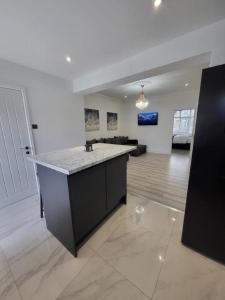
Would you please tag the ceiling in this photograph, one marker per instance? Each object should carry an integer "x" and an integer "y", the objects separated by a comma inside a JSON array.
[
  {"x": 164, "y": 83},
  {"x": 40, "y": 33}
]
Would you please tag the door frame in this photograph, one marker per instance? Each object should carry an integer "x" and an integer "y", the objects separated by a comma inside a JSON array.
[
  {"x": 194, "y": 124},
  {"x": 28, "y": 122}
]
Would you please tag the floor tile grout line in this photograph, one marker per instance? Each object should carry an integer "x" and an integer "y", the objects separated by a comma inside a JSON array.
[
  {"x": 32, "y": 249},
  {"x": 154, "y": 201},
  {"x": 147, "y": 230},
  {"x": 19, "y": 202},
  {"x": 93, "y": 250},
  {"x": 89, "y": 258},
  {"x": 11, "y": 272},
  {"x": 119, "y": 223},
  {"x": 30, "y": 222},
  {"x": 99, "y": 255},
  {"x": 162, "y": 265},
  {"x": 157, "y": 202},
  {"x": 108, "y": 264}
]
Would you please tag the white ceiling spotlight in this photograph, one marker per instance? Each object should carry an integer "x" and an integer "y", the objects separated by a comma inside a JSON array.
[
  {"x": 157, "y": 3},
  {"x": 68, "y": 59},
  {"x": 160, "y": 257},
  {"x": 139, "y": 209},
  {"x": 125, "y": 96},
  {"x": 142, "y": 102},
  {"x": 187, "y": 84}
]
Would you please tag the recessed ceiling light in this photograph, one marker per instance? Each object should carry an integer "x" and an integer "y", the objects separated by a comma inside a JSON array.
[
  {"x": 139, "y": 209},
  {"x": 160, "y": 257},
  {"x": 187, "y": 84},
  {"x": 68, "y": 59},
  {"x": 125, "y": 96},
  {"x": 157, "y": 3}
]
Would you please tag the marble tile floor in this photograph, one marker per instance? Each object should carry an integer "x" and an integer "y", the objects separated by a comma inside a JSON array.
[{"x": 135, "y": 255}]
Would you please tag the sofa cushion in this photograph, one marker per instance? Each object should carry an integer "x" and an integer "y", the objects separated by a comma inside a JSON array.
[
  {"x": 117, "y": 140},
  {"x": 132, "y": 142},
  {"x": 123, "y": 140},
  {"x": 108, "y": 140},
  {"x": 101, "y": 140}
]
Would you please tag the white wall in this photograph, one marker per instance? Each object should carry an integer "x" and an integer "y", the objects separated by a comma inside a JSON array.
[
  {"x": 53, "y": 106},
  {"x": 209, "y": 39},
  {"x": 104, "y": 104},
  {"x": 158, "y": 138}
]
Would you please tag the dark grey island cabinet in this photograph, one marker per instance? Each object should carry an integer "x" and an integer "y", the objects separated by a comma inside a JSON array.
[{"x": 76, "y": 204}]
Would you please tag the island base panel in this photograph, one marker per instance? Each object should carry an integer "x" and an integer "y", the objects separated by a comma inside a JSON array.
[
  {"x": 57, "y": 209},
  {"x": 76, "y": 205}
]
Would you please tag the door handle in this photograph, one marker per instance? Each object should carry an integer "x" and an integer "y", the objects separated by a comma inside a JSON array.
[{"x": 26, "y": 148}]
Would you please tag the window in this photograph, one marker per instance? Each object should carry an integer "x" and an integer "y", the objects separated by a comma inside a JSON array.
[{"x": 183, "y": 121}]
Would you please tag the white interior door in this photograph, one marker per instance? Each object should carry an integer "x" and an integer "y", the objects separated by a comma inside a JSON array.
[{"x": 17, "y": 174}]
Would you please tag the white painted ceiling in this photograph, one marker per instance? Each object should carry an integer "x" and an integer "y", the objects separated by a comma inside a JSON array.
[
  {"x": 164, "y": 83},
  {"x": 95, "y": 33}
]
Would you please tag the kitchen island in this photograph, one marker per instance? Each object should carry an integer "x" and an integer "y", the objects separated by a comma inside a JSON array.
[{"x": 81, "y": 189}]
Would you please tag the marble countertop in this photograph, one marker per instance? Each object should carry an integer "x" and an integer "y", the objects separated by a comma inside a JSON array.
[{"x": 72, "y": 160}]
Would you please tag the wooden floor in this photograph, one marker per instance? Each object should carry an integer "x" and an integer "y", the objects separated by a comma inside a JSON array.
[{"x": 161, "y": 178}]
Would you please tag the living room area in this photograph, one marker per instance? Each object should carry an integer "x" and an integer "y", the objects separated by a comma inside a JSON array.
[{"x": 162, "y": 129}]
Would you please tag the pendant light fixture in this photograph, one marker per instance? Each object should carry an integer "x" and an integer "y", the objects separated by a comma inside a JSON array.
[{"x": 142, "y": 102}]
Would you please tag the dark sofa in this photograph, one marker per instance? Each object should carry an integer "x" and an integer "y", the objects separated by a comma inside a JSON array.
[
  {"x": 118, "y": 140},
  {"x": 121, "y": 140}
]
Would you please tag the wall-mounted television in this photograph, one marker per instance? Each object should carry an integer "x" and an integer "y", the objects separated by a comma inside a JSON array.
[{"x": 149, "y": 118}]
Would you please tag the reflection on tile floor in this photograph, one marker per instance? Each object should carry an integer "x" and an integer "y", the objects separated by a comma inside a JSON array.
[{"x": 135, "y": 255}]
